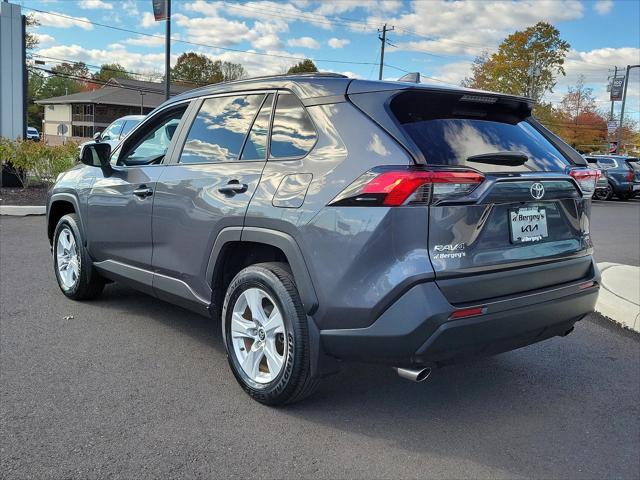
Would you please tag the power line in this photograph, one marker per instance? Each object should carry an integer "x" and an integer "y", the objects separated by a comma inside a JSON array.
[{"x": 197, "y": 44}]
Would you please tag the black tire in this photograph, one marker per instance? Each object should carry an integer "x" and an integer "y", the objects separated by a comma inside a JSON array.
[
  {"x": 604, "y": 195},
  {"x": 294, "y": 381},
  {"x": 88, "y": 284},
  {"x": 624, "y": 196}
]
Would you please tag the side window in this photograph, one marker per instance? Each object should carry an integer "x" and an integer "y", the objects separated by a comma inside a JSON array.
[
  {"x": 219, "y": 129},
  {"x": 292, "y": 134},
  {"x": 112, "y": 131},
  {"x": 128, "y": 126},
  {"x": 606, "y": 163},
  {"x": 150, "y": 144},
  {"x": 255, "y": 147}
]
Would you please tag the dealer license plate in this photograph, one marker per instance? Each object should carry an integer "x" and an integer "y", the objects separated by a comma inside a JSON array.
[{"x": 528, "y": 224}]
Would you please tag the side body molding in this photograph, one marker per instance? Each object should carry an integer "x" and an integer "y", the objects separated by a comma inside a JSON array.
[{"x": 278, "y": 239}]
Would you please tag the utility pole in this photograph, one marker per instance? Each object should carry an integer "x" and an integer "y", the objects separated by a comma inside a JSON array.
[
  {"x": 383, "y": 39},
  {"x": 167, "y": 54},
  {"x": 615, "y": 74},
  {"x": 624, "y": 100}
]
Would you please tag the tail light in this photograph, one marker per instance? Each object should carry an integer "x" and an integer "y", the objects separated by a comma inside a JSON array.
[
  {"x": 586, "y": 178},
  {"x": 630, "y": 176},
  {"x": 390, "y": 186}
]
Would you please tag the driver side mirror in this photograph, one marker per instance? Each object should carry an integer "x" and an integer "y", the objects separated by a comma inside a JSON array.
[
  {"x": 97, "y": 136},
  {"x": 97, "y": 155}
]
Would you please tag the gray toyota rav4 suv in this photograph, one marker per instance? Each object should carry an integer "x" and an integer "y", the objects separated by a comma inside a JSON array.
[{"x": 324, "y": 219}]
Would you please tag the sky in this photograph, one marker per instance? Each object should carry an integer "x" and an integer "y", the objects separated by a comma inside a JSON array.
[{"x": 438, "y": 38}]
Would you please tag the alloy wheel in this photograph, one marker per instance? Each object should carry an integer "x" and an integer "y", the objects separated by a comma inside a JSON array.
[
  {"x": 68, "y": 259},
  {"x": 258, "y": 335}
]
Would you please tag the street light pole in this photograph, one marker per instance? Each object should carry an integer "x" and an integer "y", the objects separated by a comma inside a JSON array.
[{"x": 624, "y": 100}]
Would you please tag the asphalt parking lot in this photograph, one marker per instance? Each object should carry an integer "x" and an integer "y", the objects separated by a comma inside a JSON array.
[{"x": 130, "y": 387}]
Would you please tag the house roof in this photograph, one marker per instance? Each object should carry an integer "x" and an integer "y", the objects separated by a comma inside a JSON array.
[{"x": 120, "y": 92}]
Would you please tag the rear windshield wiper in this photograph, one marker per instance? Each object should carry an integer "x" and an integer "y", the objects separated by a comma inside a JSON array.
[{"x": 511, "y": 159}]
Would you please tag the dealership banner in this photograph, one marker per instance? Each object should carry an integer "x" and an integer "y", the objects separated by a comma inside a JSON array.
[
  {"x": 617, "y": 85},
  {"x": 160, "y": 9}
]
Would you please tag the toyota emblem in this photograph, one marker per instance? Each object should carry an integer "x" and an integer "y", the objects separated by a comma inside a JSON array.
[{"x": 537, "y": 190}]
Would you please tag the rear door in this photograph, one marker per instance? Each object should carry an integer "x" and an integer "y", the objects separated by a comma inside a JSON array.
[
  {"x": 519, "y": 216},
  {"x": 208, "y": 185}
]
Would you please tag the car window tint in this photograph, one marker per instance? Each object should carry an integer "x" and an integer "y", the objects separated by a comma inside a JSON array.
[
  {"x": 606, "y": 163},
  {"x": 292, "y": 134},
  {"x": 112, "y": 131},
  {"x": 219, "y": 129},
  {"x": 256, "y": 146},
  {"x": 128, "y": 126},
  {"x": 448, "y": 130},
  {"x": 153, "y": 145}
]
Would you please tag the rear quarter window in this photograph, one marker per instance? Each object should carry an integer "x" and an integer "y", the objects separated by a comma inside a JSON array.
[
  {"x": 448, "y": 130},
  {"x": 292, "y": 134}
]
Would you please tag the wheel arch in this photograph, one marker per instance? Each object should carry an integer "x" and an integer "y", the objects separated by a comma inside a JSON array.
[
  {"x": 59, "y": 205},
  {"x": 235, "y": 246}
]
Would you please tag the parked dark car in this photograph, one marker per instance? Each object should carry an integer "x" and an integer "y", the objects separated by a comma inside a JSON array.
[
  {"x": 322, "y": 219},
  {"x": 622, "y": 174}
]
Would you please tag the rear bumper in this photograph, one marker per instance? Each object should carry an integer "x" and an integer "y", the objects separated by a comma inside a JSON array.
[{"x": 417, "y": 329}]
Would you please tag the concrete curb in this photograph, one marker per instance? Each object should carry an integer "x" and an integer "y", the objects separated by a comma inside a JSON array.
[
  {"x": 21, "y": 211},
  {"x": 619, "y": 298}
]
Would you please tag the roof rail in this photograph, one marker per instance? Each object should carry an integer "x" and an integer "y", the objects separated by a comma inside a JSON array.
[{"x": 275, "y": 76}]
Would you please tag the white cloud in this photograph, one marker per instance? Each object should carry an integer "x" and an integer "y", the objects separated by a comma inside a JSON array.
[
  {"x": 61, "y": 20},
  {"x": 115, "y": 53},
  {"x": 304, "y": 42},
  {"x": 145, "y": 41},
  {"x": 43, "y": 38},
  {"x": 148, "y": 20},
  {"x": 338, "y": 42},
  {"x": 94, "y": 4},
  {"x": 485, "y": 23},
  {"x": 603, "y": 6}
]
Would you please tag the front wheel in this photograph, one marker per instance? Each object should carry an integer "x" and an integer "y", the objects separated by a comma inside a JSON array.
[
  {"x": 604, "y": 193},
  {"x": 266, "y": 335},
  {"x": 72, "y": 265}
]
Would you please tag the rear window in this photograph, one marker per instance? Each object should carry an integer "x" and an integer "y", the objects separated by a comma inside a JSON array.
[
  {"x": 449, "y": 128},
  {"x": 633, "y": 163}
]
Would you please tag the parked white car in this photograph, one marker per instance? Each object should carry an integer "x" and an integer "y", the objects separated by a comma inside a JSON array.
[
  {"x": 116, "y": 131},
  {"x": 33, "y": 134}
]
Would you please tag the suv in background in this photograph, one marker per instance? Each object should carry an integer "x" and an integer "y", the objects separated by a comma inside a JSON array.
[
  {"x": 322, "y": 219},
  {"x": 621, "y": 172},
  {"x": 33, "y": 134}
]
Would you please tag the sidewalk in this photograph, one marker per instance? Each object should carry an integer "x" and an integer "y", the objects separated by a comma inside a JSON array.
[
  {"x": 20, "y": 211},
  {"x": 619, "y": 297}
]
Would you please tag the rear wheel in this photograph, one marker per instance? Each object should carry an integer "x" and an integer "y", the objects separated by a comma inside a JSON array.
[
  {"x": 75, "y": 275},
  {"x": 604, "y": 194},
  {"x": 266, "y": 335}
]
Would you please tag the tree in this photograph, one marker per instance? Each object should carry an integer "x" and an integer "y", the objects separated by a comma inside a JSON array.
[
  {"x": 526, "y": 63},
  {"x": 199, "y": 69},
  {"x": 35, "y": 113},
  {"x": 582, "y": 126},
  {"x": 109, "y": 71},
  {"x": 30, "y": 39},
  {"x": 305, "y": 65}
]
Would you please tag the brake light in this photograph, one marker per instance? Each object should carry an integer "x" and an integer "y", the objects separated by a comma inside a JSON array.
[
  {"x": 467, "y": 312},
  {"x": 586, "y": 178},
  {"x": 630, "y": 176},
  {"x": 401, "y": 186}
]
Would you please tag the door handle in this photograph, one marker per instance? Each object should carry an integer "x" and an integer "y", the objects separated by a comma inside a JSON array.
[
  {"x": 143, "y": 191},
  {"x": 233, "y": 187}
]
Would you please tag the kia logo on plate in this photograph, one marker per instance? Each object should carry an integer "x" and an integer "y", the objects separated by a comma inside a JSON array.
[{"x": 537, "y": 191}]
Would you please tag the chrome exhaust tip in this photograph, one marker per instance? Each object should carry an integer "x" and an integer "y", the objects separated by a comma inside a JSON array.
[{"x": 415, "y": 375}]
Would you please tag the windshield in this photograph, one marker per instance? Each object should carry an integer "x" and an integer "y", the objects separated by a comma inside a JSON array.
[{"x": 449, "y": 130}]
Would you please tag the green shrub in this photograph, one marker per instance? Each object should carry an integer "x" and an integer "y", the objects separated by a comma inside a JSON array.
[{"x": 37, "y": 162}]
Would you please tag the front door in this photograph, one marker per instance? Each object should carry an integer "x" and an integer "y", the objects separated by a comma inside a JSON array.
[
  {"x": 207, "y": 187},
  {"x": 120, "y": 204}
]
